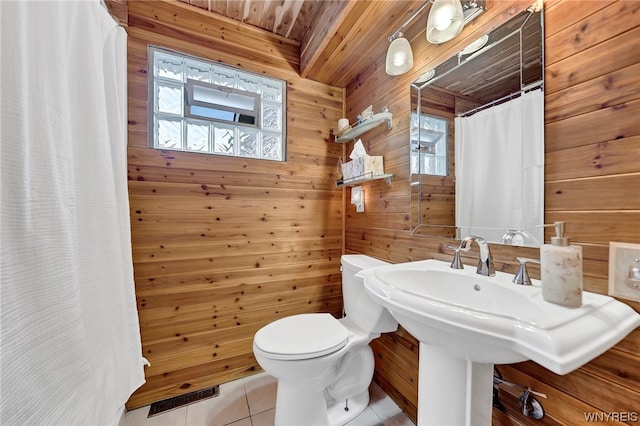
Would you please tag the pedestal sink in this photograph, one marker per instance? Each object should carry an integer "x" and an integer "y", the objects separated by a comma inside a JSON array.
[{"x": 466, "y": 323}]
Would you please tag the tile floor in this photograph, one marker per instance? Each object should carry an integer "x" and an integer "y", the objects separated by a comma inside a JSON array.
[{"x": 251, "y": 401}]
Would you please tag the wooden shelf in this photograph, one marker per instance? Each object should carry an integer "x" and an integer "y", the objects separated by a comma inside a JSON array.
[
  {"x": 359, "y": 180},
  {"x": 357, "y": 130}
]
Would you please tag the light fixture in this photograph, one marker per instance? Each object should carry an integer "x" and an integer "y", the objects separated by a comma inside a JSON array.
[
  {"x": 399, "y": 56},
  {"x": 426, "y": 76},
  {"x": 475, "y": 46},
  {"x": 471, "y": 10},
  {"x": 357, "y": 198},
  {"x": 446, "y": 20}
]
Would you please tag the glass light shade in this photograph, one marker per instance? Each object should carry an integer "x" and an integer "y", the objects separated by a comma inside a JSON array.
[
  {"x": 475, "y": 46},
  {"x": 446, "y": 20},
  {"x": 426, "y": 76},
  {"x": 399, "y": 56}
]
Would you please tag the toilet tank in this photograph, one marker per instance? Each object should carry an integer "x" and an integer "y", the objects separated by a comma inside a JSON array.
[{"x": 359, "y": 308}]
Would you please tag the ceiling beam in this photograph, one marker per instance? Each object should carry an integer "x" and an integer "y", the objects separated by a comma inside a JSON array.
[{"x": 330, "y": 18}]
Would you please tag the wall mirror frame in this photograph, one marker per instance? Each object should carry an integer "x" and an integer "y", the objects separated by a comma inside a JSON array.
[{"x": 498, "y": 68}]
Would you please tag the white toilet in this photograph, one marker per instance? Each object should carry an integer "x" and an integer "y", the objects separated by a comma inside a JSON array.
[{"x": 324, "y": 366}]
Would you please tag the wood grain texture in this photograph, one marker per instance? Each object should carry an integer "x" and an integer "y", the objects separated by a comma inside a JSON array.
[
  {"x": 349, "y": 35},
  {"x": 287, "y": 18},
  {"x": 222, "y": 246},
  {"x": 119, "y": 10},
  {"x": 592, "y": 173},
  {"x": 338, "y": 39}
]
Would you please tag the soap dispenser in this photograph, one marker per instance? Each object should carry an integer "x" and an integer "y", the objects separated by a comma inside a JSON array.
[{"x": 561, "y": 270}]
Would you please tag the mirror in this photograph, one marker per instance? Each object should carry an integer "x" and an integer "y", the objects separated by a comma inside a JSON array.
[{"x": 465, "y": 181}]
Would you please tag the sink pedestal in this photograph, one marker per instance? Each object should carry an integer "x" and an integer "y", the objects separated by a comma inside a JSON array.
[{"x": 453, "y": 391}]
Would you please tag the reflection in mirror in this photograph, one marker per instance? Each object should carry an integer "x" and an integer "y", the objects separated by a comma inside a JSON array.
[
  {"x": 477, "y": 139},
  {"x": 429, "y": 141}
]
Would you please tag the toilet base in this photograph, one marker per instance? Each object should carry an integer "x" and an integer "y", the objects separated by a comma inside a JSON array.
[
  {"x": 296, "y": 406},
  {"x": 339, "y": 416}
]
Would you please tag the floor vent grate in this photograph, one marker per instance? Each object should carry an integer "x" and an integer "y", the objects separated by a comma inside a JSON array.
[{"x": 178, "y": 401}]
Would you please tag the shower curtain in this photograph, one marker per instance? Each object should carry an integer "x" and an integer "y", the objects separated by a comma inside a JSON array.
[
  {"x": 70, "y": 342},
  {"x": 499, "y": 163}
]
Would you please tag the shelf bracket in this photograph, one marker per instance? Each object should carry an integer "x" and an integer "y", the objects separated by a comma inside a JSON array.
[{"x": 366, "y": 178}]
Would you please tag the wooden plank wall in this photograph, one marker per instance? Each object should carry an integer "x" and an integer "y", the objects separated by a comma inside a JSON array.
[
  {"x": 437, "y": 193},
  {"x": 592, "y": 182},
  {"x": 118, "y": 9},
  {"x": 223, "y": 246}
]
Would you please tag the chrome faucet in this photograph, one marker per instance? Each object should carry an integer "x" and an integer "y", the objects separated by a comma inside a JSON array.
[
  {"x": 510, "y": 234},
  {"x": 485, "y": 262}
]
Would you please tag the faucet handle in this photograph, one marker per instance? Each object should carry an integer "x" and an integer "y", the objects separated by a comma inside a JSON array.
[
  {"x": 456, "y": 263},
  {"x": 522, "y": 276}
]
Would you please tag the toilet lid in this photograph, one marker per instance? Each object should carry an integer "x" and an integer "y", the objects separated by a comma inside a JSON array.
[{"x": 301, "y": 336}]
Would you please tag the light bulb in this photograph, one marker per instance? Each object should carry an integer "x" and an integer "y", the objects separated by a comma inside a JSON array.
[
  {"x": 443, "y": 18},
  {"x": 399, "y": 58}
]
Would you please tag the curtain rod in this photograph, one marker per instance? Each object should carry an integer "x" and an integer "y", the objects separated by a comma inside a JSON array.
[{"x": 529, "y": 87}]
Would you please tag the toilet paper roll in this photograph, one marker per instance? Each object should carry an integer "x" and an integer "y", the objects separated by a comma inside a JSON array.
[{"x": 343, "y": 124}]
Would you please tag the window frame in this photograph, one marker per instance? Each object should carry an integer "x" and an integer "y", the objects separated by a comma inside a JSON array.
[
  {"x": 186, "y": 118},
  {"x": 190, "y": 101}
]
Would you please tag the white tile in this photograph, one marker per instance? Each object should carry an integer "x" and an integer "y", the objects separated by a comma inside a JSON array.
[
  {"x": 255, "y": 396},
  {"x": 138, "y": 417},
  {"x": 367, "y": 418},
  {"x": 230, "y": 406},
  {"x": 242, "y": 422},
  {"x": 266, "y": 418},
  {"x": 399, "y": 420},
  {"x": 381, "y": 403},
  {"x": 261, "y": 392}
]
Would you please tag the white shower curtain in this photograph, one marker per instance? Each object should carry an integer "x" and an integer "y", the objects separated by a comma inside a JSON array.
[
  {"x": 499, "y": 163},
  {"x": 70, "y": 343}
]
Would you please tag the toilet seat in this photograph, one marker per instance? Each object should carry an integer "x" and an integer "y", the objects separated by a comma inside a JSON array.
[{"x": 302, "y": 336}]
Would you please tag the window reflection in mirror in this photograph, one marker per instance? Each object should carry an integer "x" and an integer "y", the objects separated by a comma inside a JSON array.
[
  {"x": 429, "y": 142},
  {"x": 508, "y": 63}
]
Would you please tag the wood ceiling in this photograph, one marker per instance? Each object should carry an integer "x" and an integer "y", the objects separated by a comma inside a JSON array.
[
  {"x": 288, "y": 18},
  {"x": 338, "y": 38},
  {"x": 496, "y": 73},
  {"x": 341, "y": 42}
]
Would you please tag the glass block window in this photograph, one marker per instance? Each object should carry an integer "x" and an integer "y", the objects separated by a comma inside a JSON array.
[
  {"x": 205, "y": 107},
  {"x": 429, "y": 145}
]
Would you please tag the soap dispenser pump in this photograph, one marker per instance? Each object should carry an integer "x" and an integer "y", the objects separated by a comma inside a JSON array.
[{"x": 561, "y": 270}]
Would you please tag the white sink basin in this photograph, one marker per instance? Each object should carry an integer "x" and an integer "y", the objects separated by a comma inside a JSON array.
[
  {"x": 492, "y": 320},
  {"x": 466, "y": 323}
]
